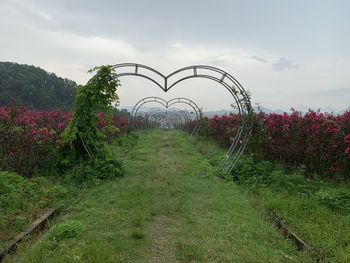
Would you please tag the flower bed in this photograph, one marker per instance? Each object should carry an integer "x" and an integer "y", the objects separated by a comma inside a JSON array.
[
  {"x": 30, "y": 139},
  {"x": 318, "y": 141}
]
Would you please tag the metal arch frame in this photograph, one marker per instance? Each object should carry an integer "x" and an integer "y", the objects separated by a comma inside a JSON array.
[
  {"x": 181, "y": 114},
  {"x": 240, "y": 96},
  {"x": 168, "y": 104},
  {"x": 159, "y": 112}
]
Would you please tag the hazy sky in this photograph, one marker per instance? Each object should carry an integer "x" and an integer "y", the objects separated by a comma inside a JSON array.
[{"x": 286, "y": 53}]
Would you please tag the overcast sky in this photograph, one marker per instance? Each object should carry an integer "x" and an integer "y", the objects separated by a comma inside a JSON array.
[{"x": 286, "y": 53}]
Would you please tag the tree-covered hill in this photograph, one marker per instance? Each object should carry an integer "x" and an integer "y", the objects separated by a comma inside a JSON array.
[{"x": 34, "y": 87}]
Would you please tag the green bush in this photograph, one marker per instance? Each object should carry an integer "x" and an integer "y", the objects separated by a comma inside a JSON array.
[
  {"x": 22, "y": 200},
  {"x": 257, "y": 175},
  {"x": 335, "y": 199},
  {"x": 68, "y": 230},
  {"x": 18, "y": 193},
  {"x": 103, "y": 167},
  {"x": 126, "y": 142},
  {"x": 251, "y": 174}
]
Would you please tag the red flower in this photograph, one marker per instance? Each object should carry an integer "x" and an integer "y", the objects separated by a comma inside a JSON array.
[
  {"x": 347, "y": 150},
  {"x": 347, "y": 138},
  {"x": 332, "y": 130}
]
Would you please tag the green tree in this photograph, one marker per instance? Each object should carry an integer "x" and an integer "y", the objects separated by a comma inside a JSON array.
[
  {"x": 82, "y": 137},
  {"x": 34, "y": 88}
]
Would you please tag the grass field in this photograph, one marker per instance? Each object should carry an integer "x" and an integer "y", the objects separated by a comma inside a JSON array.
[{"x": 169, "y": 207}]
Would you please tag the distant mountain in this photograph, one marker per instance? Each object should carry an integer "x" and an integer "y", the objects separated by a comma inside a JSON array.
[
  {"x": 214, "y": 112},
  {"x": 227, "y": 112},
  {"x": 218, "y": 112},
  {"x": 34, "y": 88},
  {"x": 255, "y": 108}
]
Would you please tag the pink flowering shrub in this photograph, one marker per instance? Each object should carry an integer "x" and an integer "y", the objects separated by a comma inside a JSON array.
[
  {"x": 30, "y": 139},
  {"x": 319, "y": 141},
  {"x": 112, "y": 127},
  {"x": 316, "y": 140}
]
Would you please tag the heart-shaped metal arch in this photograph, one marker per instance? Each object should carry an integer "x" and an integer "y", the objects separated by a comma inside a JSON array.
[
  {"x": 179, "y": 117},
  {"x": 167, "y": 105},
  {"x": 240, "y": 96},
  {"x": 183, "y": 115}
]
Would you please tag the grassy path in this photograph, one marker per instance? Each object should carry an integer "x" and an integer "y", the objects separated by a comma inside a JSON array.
[{"x": 166, "y": 209}]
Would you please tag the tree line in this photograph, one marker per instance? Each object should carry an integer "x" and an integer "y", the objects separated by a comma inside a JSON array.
[{"x": 34, "y": 88}]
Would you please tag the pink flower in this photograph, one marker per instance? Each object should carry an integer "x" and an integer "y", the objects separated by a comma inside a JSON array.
[
  {"x": 332, "y": 130},
  {"x": 61, "y": 126},
  {"x": 285, "y": 127},
  {"x": 347, "y": 138},
  {"x": 315, "y": 128}
]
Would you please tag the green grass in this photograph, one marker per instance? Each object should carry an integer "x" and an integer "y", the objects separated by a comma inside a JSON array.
[
  {"x": 317, "y": 211},
  {"x": 168, "y": 208},
  {"x": 327, "y": 231},
  {"x": 22, "y": 200}
]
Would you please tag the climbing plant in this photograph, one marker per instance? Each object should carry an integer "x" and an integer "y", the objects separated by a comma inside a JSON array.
[{"x": 82, "y": 139}]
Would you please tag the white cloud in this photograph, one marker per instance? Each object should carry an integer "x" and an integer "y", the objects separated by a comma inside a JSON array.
[
  {"x": 278, "y": 62},
  {"x": 92, "y": 45},
  {"x": 177, "y": 45},
  {"x": 285, "y": 64}
]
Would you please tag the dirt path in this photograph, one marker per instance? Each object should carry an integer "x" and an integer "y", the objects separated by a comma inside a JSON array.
[{"x": 161, "y": 228}]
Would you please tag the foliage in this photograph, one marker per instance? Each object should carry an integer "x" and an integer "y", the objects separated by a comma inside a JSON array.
[
  {"x": 335, "y": 199},
  {"x": 256, "y": 176},
  {"x": 22, "y": 200},
  {"x": 30, "y": 139},
  {"x": 162, "y": 211},
  {"x": 64, "y": 231},
  {"x": 125, "y": 143},
  {"x": 82, "y": 139},
  {"x": 102, "y": 167},
  {"x": 84, "y": 144},
  {"x": 318, "y": 141},
  {"x": 112, "y": 126},
  {"x": 316, "y": 210},
  {"x": 34, "y": 88}
]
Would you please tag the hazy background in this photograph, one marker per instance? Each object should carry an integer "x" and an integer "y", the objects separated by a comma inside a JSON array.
[{"x": 286, "y": 53}]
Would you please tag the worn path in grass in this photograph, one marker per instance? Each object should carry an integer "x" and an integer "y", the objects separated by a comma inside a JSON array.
[{"x": 167, "y": 208}]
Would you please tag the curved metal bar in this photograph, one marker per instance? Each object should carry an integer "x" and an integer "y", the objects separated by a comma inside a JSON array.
[
  {"x": 234, "y": 95},
  {"x": 143, "y": 101},
  {"x": 135, "y": 72},
  {"x": 184, "y": 114},
  {"x": 160, "y": 112},
  {"x": 241, "y": 98},
  {"x": 141, "y": 75},
  {"x": 168, "y": 104}
]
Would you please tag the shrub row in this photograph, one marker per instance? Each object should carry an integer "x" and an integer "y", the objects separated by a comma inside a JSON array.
[
  {"x": 318, "y": 141},
  {"x": 30, "y": 139}
]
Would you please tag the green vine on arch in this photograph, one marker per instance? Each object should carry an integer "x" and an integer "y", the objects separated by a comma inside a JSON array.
[{"x": 81, "y": 139}]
